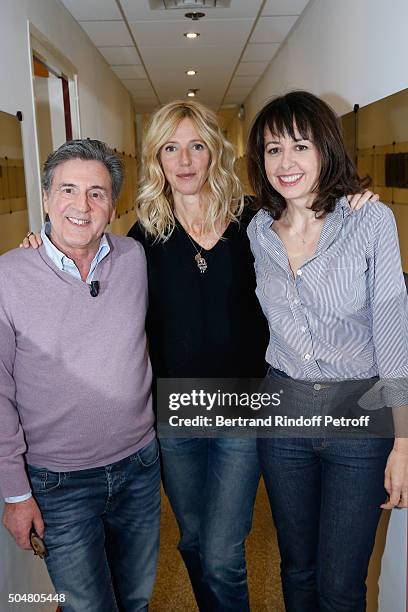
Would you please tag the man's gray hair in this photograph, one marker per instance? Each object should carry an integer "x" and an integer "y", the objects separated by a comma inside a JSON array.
[{"x": 88, "y": 150}]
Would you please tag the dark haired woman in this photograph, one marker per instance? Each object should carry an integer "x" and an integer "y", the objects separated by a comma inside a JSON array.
[{"x": 331, "y": 286}]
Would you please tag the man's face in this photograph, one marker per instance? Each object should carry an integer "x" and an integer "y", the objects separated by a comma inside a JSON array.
[{"x": 79, "y": 205}]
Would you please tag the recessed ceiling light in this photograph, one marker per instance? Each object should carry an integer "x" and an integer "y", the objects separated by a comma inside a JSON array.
[
  {"x": 191, "y": 34},
  {"x": 192, "y": 93},
  {"x": 191, "y": 72}
]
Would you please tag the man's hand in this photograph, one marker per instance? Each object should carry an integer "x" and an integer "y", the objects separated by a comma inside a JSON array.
[{"x": 20, "y": 517}]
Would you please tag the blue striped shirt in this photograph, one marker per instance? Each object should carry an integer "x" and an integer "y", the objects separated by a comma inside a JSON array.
[{"x": 345, "y": 313}]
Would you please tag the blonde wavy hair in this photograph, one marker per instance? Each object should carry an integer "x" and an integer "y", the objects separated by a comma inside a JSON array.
[{"x": 222, "y": 189}]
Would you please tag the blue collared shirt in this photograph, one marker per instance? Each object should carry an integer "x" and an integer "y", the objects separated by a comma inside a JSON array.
[
  {"x": 65, "y": 264},
  {"x": 345, "y": 313}
]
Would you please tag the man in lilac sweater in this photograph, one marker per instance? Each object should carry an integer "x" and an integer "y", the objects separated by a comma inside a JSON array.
[{"x": 78, "y": 453}]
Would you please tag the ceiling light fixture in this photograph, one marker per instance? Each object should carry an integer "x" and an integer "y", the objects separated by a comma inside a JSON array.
[
  {"x": 191, "y": 72},
  {"x": 195, "y": 16},
  {"x": 192, "y": 93},
  {"x": 191, "y": 4},
  {"x": 188, "y": 5},
  {"x": 191, "y": 34}
]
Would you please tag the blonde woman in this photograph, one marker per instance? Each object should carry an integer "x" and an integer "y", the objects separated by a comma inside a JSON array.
[{"x": 203, "y": 321}]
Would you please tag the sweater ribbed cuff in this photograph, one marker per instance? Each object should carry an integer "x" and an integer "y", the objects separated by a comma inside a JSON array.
[{"x": 14, "y": 482}]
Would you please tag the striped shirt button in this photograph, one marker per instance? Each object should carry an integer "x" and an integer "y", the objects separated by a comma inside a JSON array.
[
  {"x": 307, "y": 357},
  {"x": 299, "y": 272},
  {"x": 303, "y": 329},
  {"x": 317, "y": 387},
  {"x": 296, "y": 301}
]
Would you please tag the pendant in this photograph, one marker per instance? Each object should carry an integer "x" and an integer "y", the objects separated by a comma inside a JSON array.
[{"x": 201, "y": 263}]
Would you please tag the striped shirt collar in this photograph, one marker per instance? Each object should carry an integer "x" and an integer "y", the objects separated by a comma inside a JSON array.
[
  {"x": 64, "y": 263},
  {"x": 330, "y": 230},
  {"x": 341, "y": 211}
]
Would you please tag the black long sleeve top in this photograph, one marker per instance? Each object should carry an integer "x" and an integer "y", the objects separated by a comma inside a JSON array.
[{"x": 204, "y": 325}]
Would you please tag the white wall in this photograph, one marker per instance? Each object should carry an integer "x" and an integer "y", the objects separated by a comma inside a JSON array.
[
  {"x": 105, "y": 113},
  {"x": 347, "y": 51},
  {"x": 21, "y": 572},
  {"x": 105, "y": 106},
  {"x": 394, "y": 565}
]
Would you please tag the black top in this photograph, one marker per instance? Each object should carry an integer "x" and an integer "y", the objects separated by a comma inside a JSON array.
[{"x": 210, "y": 324}]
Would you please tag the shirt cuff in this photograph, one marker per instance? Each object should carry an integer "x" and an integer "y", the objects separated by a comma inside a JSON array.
[{"x": 18, "y": 498}]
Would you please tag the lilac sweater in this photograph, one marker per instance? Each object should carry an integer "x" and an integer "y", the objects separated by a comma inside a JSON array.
[{"x": 75, "y": 376}]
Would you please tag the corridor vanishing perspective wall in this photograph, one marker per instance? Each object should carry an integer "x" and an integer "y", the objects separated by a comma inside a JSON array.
[{"x": 106, "y": 113}]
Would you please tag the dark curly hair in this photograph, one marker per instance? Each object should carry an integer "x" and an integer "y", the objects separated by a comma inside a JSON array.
[{"x": 316, "y": 121}]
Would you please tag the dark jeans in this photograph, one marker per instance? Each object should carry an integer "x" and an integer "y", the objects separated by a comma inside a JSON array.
[
  {"x": 325, "y": 495},
  {"x": 211, "y": 484},
  {"x": 102, "y": 531}
]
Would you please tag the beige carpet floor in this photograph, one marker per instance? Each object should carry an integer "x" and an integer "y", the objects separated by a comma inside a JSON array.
[{"x": 173, "y": 592}]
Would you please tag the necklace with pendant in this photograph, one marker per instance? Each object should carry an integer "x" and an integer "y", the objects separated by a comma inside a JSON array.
[
  {"x": 201, "y": 262},
  {"x": 302, "y": 238}
]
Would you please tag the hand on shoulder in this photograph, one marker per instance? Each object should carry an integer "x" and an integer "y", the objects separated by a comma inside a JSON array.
[
  {"x": 31, "y": 240},
  {"x": 358, "y": 200}
]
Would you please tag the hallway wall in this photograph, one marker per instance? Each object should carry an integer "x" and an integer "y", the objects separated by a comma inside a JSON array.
[
  {"x": 105, "y": 112},
  {"x": 105, "y": 106},
  {"x": 348, "y": 52}
]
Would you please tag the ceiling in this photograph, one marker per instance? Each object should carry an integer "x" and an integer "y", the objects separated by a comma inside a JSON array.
[{"x": 147, "y": 49}]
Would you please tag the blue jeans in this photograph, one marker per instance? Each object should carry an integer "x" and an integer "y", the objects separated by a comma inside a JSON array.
[
  {"x": 211, "y": 484},
  {"x": 102, "y": 531},
  {"x": 325, "y": 495}
]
